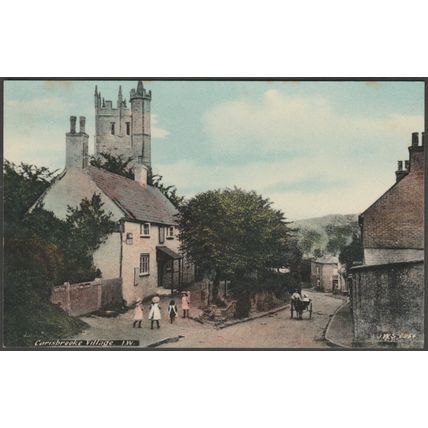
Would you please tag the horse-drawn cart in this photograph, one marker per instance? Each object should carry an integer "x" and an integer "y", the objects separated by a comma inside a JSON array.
[{"x": 299, "y": 306}]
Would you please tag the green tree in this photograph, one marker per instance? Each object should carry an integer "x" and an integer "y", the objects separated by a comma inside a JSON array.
[
  {"x": 232, "y": 232},
  {"x": 23, "y": 184},
  {"x": 309, "y": 238},
  {"x": 41, "y": 251},
  {"x": 353, "y": 252},
  {"x": 117, "y": 164},
  {"x": 339, "y": 236}
]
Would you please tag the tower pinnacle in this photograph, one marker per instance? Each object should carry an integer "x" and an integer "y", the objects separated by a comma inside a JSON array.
[
  {"x": 119, "y": 98},
  {"x": 140, "y": 88}
]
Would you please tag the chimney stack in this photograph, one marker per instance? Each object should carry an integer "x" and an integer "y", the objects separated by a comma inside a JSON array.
[
  {"x": 82, "y": 120},
  {"x": 140, "y": 174},
  {"x": 76, "y": 145},
  {"x": 72, "y": 124},
  {"x": 400, "y": 173},
  {"x": 415, "y": 139}
]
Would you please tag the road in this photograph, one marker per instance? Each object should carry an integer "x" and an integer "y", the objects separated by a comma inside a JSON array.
[{"x": 273, "y": 331}]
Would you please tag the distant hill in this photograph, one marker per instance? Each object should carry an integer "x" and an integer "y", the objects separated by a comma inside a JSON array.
[{"x": 327, "y": 234}]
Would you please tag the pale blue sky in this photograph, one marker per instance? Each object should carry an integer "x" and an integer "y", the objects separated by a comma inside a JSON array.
[{"x": 314, "y": 148}]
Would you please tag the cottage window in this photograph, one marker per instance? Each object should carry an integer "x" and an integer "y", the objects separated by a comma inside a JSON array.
[
  {"x": 112, "y": 130},
  {"x": 170, "y": 232},
  {"x": 128, "y": 128},
  {"x": 161, "y": 234},
  {"x": 129, "y": 238},
  {"x": 145, "y": 230},
  {"x": 144, "y": 264},
  {"x": 318, "y": 270}
]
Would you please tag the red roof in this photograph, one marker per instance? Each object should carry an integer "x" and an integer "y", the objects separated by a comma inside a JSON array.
[{"x": 147, "y": 204}]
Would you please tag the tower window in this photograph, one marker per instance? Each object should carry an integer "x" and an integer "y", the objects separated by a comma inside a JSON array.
[
  {"x": 128, "y": 128},
  {"x": 112, "y": 128}
]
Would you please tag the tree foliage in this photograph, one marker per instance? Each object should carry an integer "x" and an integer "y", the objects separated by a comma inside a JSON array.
[
  {"x": 339, "y": 236},
  {"x": 41, "y": 251},
  {"x": 117, "y": 164},
  {"x": 353, "y": 252},
  {"x": 232, "y": 232},
  {"x": 309, "y": 239}
]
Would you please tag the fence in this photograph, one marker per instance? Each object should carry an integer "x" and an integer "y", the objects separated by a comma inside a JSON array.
[{"x": 86, "y": 297}]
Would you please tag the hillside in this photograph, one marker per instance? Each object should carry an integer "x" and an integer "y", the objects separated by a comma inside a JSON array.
[{"x": 327, "y": 234}]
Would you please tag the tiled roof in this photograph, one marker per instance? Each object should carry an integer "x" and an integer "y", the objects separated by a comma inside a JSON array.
[
  {"x": 327, "y": 260},
  {"x": 137, "y": 202}
]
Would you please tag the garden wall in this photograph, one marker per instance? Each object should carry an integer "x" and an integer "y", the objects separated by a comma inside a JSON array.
[
  {"x": 388, "y": 305},
  {"x": 86, "y": 297}
]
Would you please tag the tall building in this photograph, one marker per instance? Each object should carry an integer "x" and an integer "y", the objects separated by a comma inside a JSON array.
[
  {"x": 125, "y": 129},
  {"x": 393, "y": 226},
  {"x": 388, "y": 289}
]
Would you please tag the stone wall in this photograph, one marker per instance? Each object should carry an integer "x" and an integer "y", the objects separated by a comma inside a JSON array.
[
  {"x": 86, "y": 297},
  {"x": 388, "y": 305}
]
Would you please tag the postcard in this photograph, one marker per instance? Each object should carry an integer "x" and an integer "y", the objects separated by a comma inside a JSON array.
[{"x": 213, "y": 214}]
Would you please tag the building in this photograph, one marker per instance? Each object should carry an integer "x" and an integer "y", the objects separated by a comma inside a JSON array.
[
  {"x": 324, "y": 273},
  {"x": 124, "y": 130},
  {"x": 388, "y": 289},
  {"x": 144, "y": 249},
  {"x": 393, "y": 226}
]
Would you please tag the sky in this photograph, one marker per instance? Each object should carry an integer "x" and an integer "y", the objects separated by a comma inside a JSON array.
[{"x": 313, "y": 148}]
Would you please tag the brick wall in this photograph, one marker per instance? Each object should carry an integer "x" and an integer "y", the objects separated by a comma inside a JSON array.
[
  {"x": 86, "y": 297},
  {"x": 388, "y": 305},
  {"x": 396, "y": 219}
]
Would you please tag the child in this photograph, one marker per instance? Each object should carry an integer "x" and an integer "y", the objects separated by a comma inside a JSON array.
[
  {"x": 185, "y": 304},
  {"x": 172, "y": 310},
  {"x": 155, "y": 313},
  {"x": 138, "y": 314}
]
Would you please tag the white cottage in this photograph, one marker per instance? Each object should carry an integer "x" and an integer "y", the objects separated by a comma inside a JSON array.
[{"x": 144, "y": 251}]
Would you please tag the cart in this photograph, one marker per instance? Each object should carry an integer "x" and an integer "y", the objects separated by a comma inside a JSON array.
[{"x": 300, "y": 307}]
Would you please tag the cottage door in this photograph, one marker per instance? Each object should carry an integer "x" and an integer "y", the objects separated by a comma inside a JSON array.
[{"x": 160, "y": 273}]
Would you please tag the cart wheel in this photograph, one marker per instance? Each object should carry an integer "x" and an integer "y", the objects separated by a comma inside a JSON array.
[{"x": 310, "y": 310}]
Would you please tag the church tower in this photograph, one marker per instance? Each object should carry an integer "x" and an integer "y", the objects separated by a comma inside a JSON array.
[
  {"x": 141, "y": 133},
  {"x": 122, "y": 130}
]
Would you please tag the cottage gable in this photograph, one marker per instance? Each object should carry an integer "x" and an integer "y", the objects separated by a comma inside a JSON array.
[{"x": 396, "y": 219}]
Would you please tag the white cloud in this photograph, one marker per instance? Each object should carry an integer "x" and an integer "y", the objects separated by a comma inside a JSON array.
[
  {"x": 36, "y": 106},
  {"x": 23, "y": 147},
  {"x": 280, "y": 123},
  {"x": 357, "y": 192},
  {"x": 323, "y": 161},
  {"x": 157, "y": 132}
]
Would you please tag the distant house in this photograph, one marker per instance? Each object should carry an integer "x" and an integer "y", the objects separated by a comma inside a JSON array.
[
  {"x": 144, "y": 249},
  {"x": 324, "y": 273},
  {"x": 388, "y": 289}
]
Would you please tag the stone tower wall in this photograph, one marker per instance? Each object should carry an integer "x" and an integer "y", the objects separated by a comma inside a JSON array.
[{"x": 132, "y": 133}]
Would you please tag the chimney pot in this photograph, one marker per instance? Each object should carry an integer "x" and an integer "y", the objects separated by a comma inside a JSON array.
[
  {"x": 400, "y": 166},
  {"x": 415, "y": 139},
  {"x": 82, "y": 121},
  {"x": 406, "y": 165},
  {"x": 72, "y": 124},
  {"x": 423, "y": 138}
]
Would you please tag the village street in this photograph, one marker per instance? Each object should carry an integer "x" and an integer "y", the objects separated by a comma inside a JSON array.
[{"x": 273, "y": 331}]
